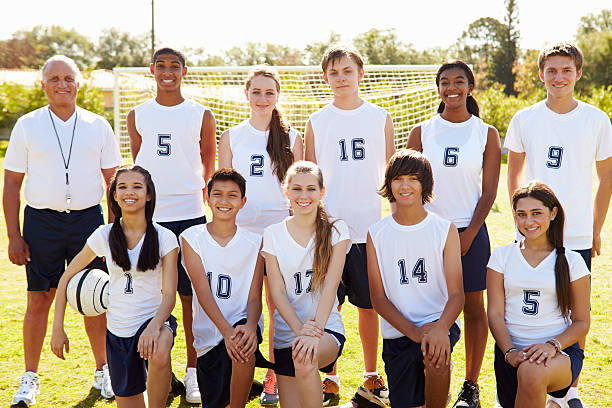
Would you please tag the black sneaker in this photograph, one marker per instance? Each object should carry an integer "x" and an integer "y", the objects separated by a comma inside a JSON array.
[
  {"x": 269, "y": 395},
  {"x": 176, "y": 386},
  {"x": 469, "y": 396}
]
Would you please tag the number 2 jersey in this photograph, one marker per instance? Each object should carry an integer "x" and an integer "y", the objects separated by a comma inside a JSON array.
[
  {"x": 411, "y": 263},
  {"x": 134, "y": 296},
  {"x": 295, "y": 263},
  {"x": 230, "y": 271},
  {"x": 532, "y": 311}
]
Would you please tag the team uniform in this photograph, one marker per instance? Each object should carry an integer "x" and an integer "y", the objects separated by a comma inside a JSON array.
[
  {"x": 266, "y": 202},
  {"x": 295, "y": 263},
  {"x": 455, "y": 151},
  {"x": 170, "y": 151},
  {"x": 560, "y": 150},
  {"x": 531, "y": 311},
  {"x": 350, "y": 150},
  {"x": 63, "y": 187},
  {"x": 134, "y": 298},
  {"x": 230, "y": 270},
  {"x": 411, "y": 263}
]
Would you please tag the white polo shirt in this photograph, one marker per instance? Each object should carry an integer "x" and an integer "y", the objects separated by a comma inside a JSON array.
[{"x": 34, "y": 150}]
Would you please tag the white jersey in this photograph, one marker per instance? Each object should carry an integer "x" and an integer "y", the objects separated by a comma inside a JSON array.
[
  {"x": 34, "y": 150},
  {"x": 230, "y": 271},
  {"x": 170, "y": 151},
  {"x": 350, "y": 149},
  {"x": 134, "y": 296},
  {"x": 295, "y": 263},
  {"x": 532, "y": 313},
  {"x": 266, "y": 202},
  {"x": 455, "y": 151},
  {"x": 560, "y": 151},
  {"x": 411, "y": 263}
]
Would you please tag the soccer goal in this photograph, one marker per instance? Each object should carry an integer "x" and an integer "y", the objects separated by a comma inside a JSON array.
[{"x": 407, "y": 92}]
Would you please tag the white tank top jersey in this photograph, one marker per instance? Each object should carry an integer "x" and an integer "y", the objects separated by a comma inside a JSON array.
[
  {"x": 295, "y": 263},
  {"x": 532, "y": 311},
  {"x": 33, "y": 149},
  {"x": 350, "y": 149},
  {"x": 170, "y": 151},
  {"x": 411, "y": 263},
  {"x": 134, "y": 296},
  {"x": 230, "y": 271},
  {"x": 455, "y": 151},
  {"x": 560, "y": 151},
  {"x": 266, "y": 202}
]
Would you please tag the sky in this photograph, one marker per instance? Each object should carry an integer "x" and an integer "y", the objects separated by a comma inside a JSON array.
[{"x": 219, "y": 25}]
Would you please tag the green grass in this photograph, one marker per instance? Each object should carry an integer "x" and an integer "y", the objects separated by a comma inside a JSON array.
[{"x": 68, "y": 383}]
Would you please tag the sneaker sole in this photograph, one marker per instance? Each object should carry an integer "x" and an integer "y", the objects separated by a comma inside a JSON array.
[
  {"x": 365, "y": 399},
  {"x": 193, "y": 401},
  {"x": 333, "y": 401}
]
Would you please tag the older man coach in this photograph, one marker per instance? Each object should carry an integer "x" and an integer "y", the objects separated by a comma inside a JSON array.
[{"x": 67, "y": 153}]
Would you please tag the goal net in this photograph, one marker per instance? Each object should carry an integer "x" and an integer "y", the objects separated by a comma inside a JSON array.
[{"x": 407, "y": 92}]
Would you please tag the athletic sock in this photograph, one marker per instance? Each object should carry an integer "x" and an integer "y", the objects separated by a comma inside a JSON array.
[
  {"x": 333, "y": 378},
  {"x": 559, "y": 401},
  {"x": 367, "y": 374},
  {"x": 572, "y": 393}
]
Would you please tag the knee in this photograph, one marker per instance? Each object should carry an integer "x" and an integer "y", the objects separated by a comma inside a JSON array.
[
  {"x": 531, "y": 377},
  {"x": 474, "y": 306},
  {"x": 438, "y": 372},
  {"x": 39, "y": 302},
  {"x": 303, "y": 369},
  {"x": 160, "y": 359}
]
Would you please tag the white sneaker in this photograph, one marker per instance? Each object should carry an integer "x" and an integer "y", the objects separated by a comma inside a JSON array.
[
  {"x": 28, "y": 390},
  {"x": 192, "y": 391},
  {"x": 102, "y": 382}
]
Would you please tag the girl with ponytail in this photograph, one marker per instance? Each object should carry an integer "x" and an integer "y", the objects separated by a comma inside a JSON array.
[
  {"x": 465, "y": 156},
  {"x": 261, "y": 149},
  {"x": 532, "y": 287},
  {"x": 142, "y": 262},
  {"x": 305, "y": 256}
]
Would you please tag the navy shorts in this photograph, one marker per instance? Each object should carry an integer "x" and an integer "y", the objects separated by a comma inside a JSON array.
[
  {"x": 405, "y": 369},
  {"x": 354, "y": 283},
  {"x": 507, "y": 382},
  {"x": 214, "y": 372},
  {"x": 283, "y": 359},
  {"x": 474, "y": 262},
  {"x": 184, "y": 284},
  {"x": 586, "y": 255},
  {"x": 128, "y": 371},
  {"x": 55, "y": 238}
]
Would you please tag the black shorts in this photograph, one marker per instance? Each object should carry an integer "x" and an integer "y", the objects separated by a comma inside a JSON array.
[
  {"x": 507, "y": 382},
  {"x": 405, "y": 369},
  {"x": 184, "y": 284},
  {"x": 55, "y": 238},
  {"x": 354, "y": 283},
  {"x": 586, "y": 255},
  {"x": 128, "y": 371},
  {"x": 474, "y": 262},
  {"x": 214, "y": 371},
  {"x": 283, "y": 359}
]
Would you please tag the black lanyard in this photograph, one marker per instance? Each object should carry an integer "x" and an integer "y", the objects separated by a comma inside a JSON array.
[{"x": 66, "y": 163}]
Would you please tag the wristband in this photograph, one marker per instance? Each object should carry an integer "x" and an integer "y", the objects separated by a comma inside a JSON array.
[
  {"x": 510, "y": 350},
  {"x": 556, "y": 344}
]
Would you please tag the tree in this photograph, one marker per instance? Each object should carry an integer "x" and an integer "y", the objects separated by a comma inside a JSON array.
[
  {"x": 504, "y": 59},
  {"x": 594, "y": 37},
  {"x": 315, "y": 51},
  {"x": 252, "y": 53},
  {"x": 383, "y": 47},
  {"x": 595, "y": 23},
  {"x": 18, "y": 53},
  {"x": 118, "y": 48}
]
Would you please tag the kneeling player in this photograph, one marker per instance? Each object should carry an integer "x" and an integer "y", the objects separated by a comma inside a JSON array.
[
  {"x": 226, "y": 272},
  {"x": 414, "y": 269}
]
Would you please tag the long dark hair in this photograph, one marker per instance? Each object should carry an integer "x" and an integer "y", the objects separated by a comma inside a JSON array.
[
  {"x": 546, "y": 196},
  {"x": 149, "y": 253},
  {"x": 471, "y": 104},
  {"x": 279, "y": 144}
]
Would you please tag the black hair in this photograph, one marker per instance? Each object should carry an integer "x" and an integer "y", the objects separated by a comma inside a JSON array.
[
  {"x": 172, "y": 51},
  {"x": 471, "y": 104},
  {"x": 228, "y": 175}
]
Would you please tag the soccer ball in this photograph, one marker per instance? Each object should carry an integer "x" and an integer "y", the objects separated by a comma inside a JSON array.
[{"x": 87, "y": 292}]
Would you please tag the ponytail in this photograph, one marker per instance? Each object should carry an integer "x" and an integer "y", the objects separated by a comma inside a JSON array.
[
  {"x": 562, "y": 282},
  {"x": 279, "y": 145},
  {"x": 322, "y": 248}
]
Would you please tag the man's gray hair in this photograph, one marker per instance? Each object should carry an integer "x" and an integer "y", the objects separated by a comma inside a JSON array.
[{"x": 67, "y": 60}]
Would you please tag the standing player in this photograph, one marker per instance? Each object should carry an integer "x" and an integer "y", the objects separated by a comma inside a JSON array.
[
  {"x": 141, "y": 258},
  {"x": 560, "y": 138},
  {"x": 460, "y": 147},
  {"x": 66, "y": 152},
  {"x": 262, "y": 148},
  {"x": 304, "y": 258},
  {"x": 226, "y": 270},
  {"x": 414, "y": 268},
  {"x": 351, "y": 140},
  {"x": 532, "y": 286},
  {"x": 174, "y": 139}
]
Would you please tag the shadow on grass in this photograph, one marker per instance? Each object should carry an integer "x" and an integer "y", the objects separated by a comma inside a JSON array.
[{"x": 91, "y": 399}]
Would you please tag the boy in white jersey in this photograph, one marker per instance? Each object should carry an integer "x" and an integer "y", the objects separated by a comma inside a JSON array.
[
  {"x": 226, "y": 272},
  {"x": 174, "y": 139},
  {"x": 414, "y": 269},
  {"x": 559, "y": 139},
  {"x": 351, "y": 140}
]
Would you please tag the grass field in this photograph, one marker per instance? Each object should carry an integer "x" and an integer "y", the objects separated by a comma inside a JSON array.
[{"x": 68, "y": 383}]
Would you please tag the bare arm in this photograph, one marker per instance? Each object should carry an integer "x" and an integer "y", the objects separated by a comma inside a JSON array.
[
  {"x": 414, "y": 139},
  {"x": 516, "y": 163},
  {"x": 208, "y": 146},
  {"x": 225, "y": 151},
  {"x": 602, "y": 201},
  {"x": 135, "y": 138},
  {"x": 329, "y": 291},
  {"x": 389, "y": 138},
  {"x": 107, "y": 174},
  {"x": 298, "y": 148},
  {"x": 18, "y": 249},
  {"x": 309, "y": 144}
]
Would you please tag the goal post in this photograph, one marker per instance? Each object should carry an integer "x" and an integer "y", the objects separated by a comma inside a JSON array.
[{"x": 407, "y": 92}]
